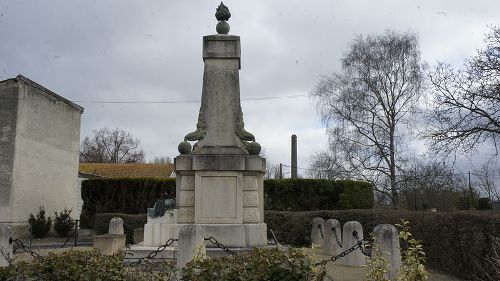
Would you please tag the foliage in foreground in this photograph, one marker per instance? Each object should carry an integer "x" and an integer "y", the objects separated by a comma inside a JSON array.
[
  {"x": 79, "y": 265},
  {"x": 259, "y": 264}
]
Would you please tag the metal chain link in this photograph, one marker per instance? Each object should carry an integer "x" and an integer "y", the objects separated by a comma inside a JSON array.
[
  {"x": 321, "y": 231},
  {"x": 154, "y": 253},
  {"x": 25, "y": 248},
  {"x": 274, "y": 237},
  {"x": 365, "y": 252},
  {"x": 221, "y": 246},
  {"x": 336, "y": 237},
  {"x": 356, "y": 246}
]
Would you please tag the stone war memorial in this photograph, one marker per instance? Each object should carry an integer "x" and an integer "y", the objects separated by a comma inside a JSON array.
[{"x": 219, "y": 173}]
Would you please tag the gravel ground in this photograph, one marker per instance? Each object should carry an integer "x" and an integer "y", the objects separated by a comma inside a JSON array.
[{"x": 339, "y": 272}]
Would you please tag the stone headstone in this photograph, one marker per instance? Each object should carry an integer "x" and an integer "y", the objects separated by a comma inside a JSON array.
[
  {"x": 191, "y": 242},
  {"x": 386, "y": 239},
  {"x": 116, "y": 226},
  {"x": 333, "y": 238},
  {"x": 318, "y": 232},
  {"x": 5, "y": 245},
  {"x": 355, "y": 258}
]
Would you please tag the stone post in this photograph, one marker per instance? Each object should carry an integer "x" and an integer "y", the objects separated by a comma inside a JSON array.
[
  {"x": 116, "y": 226},
  {"x": 355, "y": 258},
  {"x": 333, "y": 238},
  {"x": 5, "y": 245},
  {"x": 387, "y": 244},
  {"x": 114, "y": 241},
  {"x": 318, "y": 232},
  {"x": 294, "y": 157},
  {"x": 191, "y": 241}
]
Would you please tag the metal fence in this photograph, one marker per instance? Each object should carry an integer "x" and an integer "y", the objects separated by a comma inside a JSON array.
[{"x": 26, "y": 242}]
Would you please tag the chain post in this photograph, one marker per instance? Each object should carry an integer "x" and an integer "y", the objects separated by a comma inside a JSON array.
[{"x": 358, "y": 245}]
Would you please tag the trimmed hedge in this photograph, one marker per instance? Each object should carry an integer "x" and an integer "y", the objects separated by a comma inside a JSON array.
[
  {"x": 454, "y": 242},
  {"x": 134, "y": 196},
  {"x": 315, "y": 194},
  {"x": 128, "y": 196}
]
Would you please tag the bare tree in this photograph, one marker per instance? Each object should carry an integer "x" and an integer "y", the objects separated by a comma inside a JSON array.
[
  {"x": 272, "y": 171},
  {"x": 432, "y": 184},
  {"x": 487, "y": 175},
  {"x": 325, "y": 165},
  {"x": 161, "y": 160},
  {"x": 466, "y": 105},
  {"x": 365, "y": 104},
  {"x": 111, "y": 146}
]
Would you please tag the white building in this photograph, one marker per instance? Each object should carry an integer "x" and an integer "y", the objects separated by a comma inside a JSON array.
[{"x": 39, "y": 150}]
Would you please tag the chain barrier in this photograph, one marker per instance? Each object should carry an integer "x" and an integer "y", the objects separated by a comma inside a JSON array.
[
  {"x": 336, "y": 237},
  {"x": 364, "y": 251},
  {"x": 20, "y": 244},
  {"x": 274, "y": 237},
  {"x": 358, "y": 245},
  {"x": 321, "y": 231},
  {"x": 153, "y": 253},
  {"x": 221, "y": 246}
]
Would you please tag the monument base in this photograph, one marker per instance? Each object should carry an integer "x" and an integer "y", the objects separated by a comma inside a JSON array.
[{"x": 230, "y": 235}]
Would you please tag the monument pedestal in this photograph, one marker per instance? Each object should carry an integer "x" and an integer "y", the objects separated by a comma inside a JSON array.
[
  {"x": 223, "y": 194},
  {"x": 220, "y": 179}
]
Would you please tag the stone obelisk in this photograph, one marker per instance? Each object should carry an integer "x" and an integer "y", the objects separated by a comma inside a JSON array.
[{"x": 220, "y": 176}]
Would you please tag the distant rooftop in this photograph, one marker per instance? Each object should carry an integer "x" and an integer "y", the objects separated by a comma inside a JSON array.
[
  {"x": 28, "y": 82},
  {"x": 129, "y": 170}
]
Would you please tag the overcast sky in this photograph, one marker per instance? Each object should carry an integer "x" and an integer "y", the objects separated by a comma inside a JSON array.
[{"x": 151, "y": 51}]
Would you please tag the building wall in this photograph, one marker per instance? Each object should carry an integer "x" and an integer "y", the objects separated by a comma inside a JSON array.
[
  {"x": 8, "y": 116},
  {"x": 46, "y": 153}
]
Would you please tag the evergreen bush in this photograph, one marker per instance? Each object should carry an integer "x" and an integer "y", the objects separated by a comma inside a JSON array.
[
  {"x": 63, "y": 223},
  {"x": 39, "y": 225}
]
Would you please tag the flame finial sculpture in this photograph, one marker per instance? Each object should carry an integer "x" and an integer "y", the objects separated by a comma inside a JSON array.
[{"x": 222, "y": 15}]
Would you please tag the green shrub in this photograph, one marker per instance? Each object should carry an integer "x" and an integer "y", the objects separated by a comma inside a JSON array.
[
  {"x": 316, "y": 194},
  {"x": 40, "y": 225},
  {"x": 259, "y": 264},
  {"x": 128, "y": 196},
  {"x": 130, "y": 222},
  {"x": 455, "y": 242},
  {"x": 134, "y": 196},
  {"x": 80, "y": 265},
  {"x": 484, "y": 204},
  {"x": 63, "y": 223}
]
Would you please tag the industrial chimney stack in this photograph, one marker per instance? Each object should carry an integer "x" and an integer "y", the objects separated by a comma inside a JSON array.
[{"x": 294, "y": 157}]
